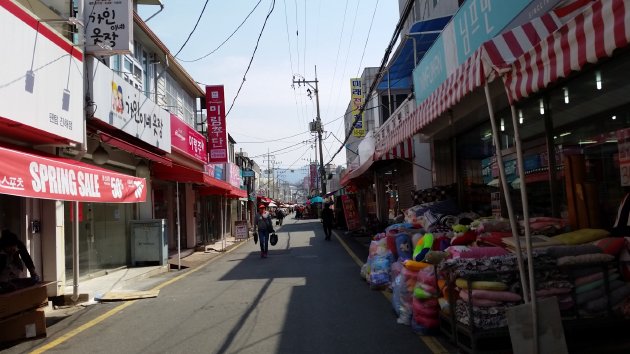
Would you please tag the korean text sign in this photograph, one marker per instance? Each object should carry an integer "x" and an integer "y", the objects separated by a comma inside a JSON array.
[
  {"x": 357, "y": 102},
  {"x": 187, "y": 140},
  {"x": 33, "y": 176},
  {"x": 217, "y": 131},
  {"x": 109, "y": 26}
]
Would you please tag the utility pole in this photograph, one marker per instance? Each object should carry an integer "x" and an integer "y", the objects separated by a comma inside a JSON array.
[{"x": 318, "y": 126}]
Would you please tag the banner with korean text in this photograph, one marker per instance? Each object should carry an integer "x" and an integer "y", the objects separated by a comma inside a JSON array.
[
  {"x": 34, "y": 176},
  {"x": 357, "y": 102},
  {"x": 217, "y": 131},
  {"x": 187, "y": 140}
]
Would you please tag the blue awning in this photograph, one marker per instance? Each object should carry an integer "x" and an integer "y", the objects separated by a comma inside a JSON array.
[{"x": 424, "y": 33}]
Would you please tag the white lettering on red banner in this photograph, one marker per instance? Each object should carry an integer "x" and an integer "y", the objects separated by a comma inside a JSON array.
[
  {"x": 188, "y": 140},
  {"x": 30, "y": 175},
  {"x": 217, "y": 132}
]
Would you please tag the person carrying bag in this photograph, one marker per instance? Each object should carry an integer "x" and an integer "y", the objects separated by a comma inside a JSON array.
[{"x": 265, "y": 228}]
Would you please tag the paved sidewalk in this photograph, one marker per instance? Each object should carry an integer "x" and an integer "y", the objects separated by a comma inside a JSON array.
[{"x": 137, "y": 278}]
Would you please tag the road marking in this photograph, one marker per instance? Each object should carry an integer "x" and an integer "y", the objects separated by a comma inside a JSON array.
[
  {"x": 433, "y": 344},
  {"x": 117, "y": 309}
]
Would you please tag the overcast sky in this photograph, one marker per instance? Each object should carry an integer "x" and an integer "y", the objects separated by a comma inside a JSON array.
[{"x": 268, "y": 113}]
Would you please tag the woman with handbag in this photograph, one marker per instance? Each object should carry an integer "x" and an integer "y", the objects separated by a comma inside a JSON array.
[{"x": 262, "y": 220}]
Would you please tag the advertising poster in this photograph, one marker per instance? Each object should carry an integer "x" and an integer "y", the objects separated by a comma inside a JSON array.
[
  {"x": 350, "y": 212},
  {"x": 357, "y": 103}
]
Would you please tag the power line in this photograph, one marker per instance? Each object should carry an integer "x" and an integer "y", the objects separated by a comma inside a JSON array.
[
  {"x": 285, "y": 148},
  {"x": 273, "y": 5},
  {"x": 367, "y": 38},
  {"x": 225, "y": 41},
  {"x": 194, "y": 28},
  {"x": 332, "y": 84},
  {"x": 399, "y": 25},
  {"x": 269, "y": 141}
]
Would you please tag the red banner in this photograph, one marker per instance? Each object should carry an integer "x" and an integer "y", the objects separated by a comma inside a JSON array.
[
  {"x": 34, "y": 176},
  {"x": 353, "y": 221},
  {"x": 313, "y": 177},
  {"x": 217, "y": 131},
  {"x": 187, "y": 140}
]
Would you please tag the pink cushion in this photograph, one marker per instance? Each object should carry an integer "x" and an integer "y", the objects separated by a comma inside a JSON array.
[
  {"x": 505, "y": 296},
  {"x": 610, "y": 245},
  {"x": 481, "y": 252},
  {"x": 463, "y": 294}
]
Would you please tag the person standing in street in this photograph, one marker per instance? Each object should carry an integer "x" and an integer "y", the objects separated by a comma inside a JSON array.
[
  {"x": 328, "y": 218},
  {"x": 262, "y": 220},
  {"x": 280, "y": 216},
  {"x": 14, "y": 257}
]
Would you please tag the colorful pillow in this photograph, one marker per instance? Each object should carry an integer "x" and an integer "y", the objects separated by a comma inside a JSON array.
[
  {"x": 481, "y": 252},
  {"x": 585, "y": 259},
  {"x": 403, "y": 246},
  {"x": 482, "y": 285},
  {"x": 423, "y": 247},
  {"x": 415, "y": 266},
  {"x": 463, "y": 294},
  {"x": 581, "y": 236},
  {"x": 465, "y": 238},
  {"x": 611, "y": 245}
]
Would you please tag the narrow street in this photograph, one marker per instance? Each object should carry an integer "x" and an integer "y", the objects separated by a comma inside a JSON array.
[{"x": 307, "y": 297}]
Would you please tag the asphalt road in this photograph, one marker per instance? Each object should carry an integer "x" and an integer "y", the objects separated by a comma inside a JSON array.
[{"x": 307, "y": 297}]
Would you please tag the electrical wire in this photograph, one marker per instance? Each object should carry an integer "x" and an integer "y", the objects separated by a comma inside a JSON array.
[
  {"x": 225, "y": 41},
  {"x": 285, "y": 148},
  {"x": 268, "y": 141},
  {"x": 367, "y": 38},
  {"x": 273, "y": 5},
  {"x": 193, "y": 30},
  {"x": 401, "y": 21}
]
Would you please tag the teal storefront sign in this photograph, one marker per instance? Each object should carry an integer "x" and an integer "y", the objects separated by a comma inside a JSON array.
[{"x": 430, "y": 73}]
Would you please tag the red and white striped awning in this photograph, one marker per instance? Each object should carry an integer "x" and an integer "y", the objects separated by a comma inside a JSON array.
[
  {"x": 493, "y": 58},
  {"x": 403, "y": 151},
  {"x": 590, "y": 36}
]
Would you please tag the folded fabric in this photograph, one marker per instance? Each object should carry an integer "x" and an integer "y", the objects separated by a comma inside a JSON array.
[
  {"x": 592, "y": 277},
  {"x": 610, "y": 245},
  {"x": 480, "y": 252},
  {"x": 594, "y": 284},
  {"x": 482, "y": 285},
  {"x": 504, "y": 296},
  {"x": 581, "y": 236},
  {"x": 484, "y": 317},
  {"x": 552, "y": 292},
  {"x": 597, "y": 292},
  {"x": 585, "y": 259},
  {"x": 616, "y": 296},
  {"x": 463, "y": 294},
  {"x": 563, "y": 251}
]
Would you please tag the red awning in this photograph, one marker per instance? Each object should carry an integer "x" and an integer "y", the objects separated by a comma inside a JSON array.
[
  {"x": 354, "y": 174},
  {"x": 403, "y": 151},
  {"x": 123, "y": 145},
  {"x": 588, "y": 37},
  {"x": 33, "y": 174},
  {"x": 179, "y": 173}
]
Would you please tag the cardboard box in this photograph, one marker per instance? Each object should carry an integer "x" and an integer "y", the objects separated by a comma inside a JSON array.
[
  {"x": 24, "y": 299},
  {"x": 25, "y": 325}
]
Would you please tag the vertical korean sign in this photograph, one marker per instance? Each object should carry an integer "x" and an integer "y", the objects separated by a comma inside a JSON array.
[
  {"x": 109, "y": 26},
  {"x": 357, "y": 102},
  {"x": 217, "y": 132}
]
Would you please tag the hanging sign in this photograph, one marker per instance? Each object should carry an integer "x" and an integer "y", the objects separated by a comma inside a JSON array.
[
  {"x": 350, "y": 212},
  {"x": 187, "y": 140},
  {"x": 356, "y": 97},
  {"x": 34, "y": 176},
  {"x": 108, "y": 27},
  {"x": 623, "y": 144},
  {"x": 217, "y": 131}
]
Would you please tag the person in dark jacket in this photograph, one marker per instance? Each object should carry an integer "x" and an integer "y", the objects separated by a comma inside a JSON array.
[
  {"x": 328, "y": 218},
  {"x": 14, "y": 257},
  {"x": 262, "y": 222}
]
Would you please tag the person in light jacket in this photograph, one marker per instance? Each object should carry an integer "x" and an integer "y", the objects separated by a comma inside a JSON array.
[{"x": 262, "y": 220}]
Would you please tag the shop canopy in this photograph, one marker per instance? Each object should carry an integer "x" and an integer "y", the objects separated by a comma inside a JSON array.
[
  {"x": 179, "y": 173},
  {"x": 34, "y": 174},
  {"x": 420, "y": 38},
  {"x": 525, "y": 57}
]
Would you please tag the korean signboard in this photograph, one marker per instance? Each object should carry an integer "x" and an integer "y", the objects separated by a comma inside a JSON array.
[
  {"x": 122, "y": 106},
  {"x": 234, "y": 175},
  {"x": 350, "y": 213},
  {"x": 356, "y": 97},
  {"x": 42, "y": 75},
  {"x": 187, "y": 140},
  {"x": 33, "y": 176},
  {"x": 108, "y": 26},
  {"x": 217, "y": 130},
  {"x": 313, "y": 177}
]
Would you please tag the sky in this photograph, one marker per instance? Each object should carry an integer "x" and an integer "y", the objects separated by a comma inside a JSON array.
[{"x": 270, "y": 114}]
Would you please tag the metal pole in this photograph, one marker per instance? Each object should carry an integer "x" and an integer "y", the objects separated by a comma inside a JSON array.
[
  {"x": 179, "y": 249},
  {"x": 528, "y": 240},
  {"x": 506, "y": 194},
  {"x": 75, "y": 254},
  {"x": 322, "y": 171},
  {"x": 268, "y": 179},
  {"x": 226, "y": 223}
]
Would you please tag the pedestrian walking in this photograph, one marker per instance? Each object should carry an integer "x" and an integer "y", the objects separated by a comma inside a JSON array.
[
  {"x": 328, "y": 218},
  {"x": 280, "y": 216},
  {"x": 14, "y": 258},
  {"x": 262, "y": 220}
]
